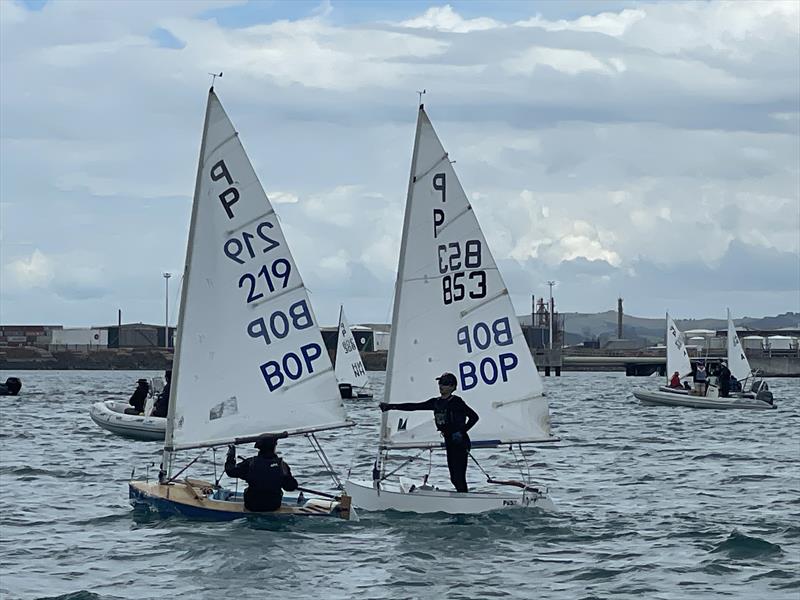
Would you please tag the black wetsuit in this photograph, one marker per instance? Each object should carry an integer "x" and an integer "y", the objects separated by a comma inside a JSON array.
[
  {"x": 724, "y": 381},
  {"x": 453, "y": 419},
  {"x": 138, "y": 399},
  {"x": 162, "y": 403},
  {"x": 265, "y": 475}
]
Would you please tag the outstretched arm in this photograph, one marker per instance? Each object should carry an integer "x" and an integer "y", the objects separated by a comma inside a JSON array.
[{"x": 408, "y": 406}]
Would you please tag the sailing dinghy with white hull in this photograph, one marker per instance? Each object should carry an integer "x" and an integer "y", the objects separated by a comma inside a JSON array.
[
  {"x": 452, "y": 312},
  {"x": 350, "y": 372},
  {"x": 250, "y": 358}
]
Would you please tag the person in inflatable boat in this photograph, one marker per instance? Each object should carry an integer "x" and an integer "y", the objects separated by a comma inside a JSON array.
[
  {"x": 161, "y": 404},
  {"x": 139, "y": 398}
]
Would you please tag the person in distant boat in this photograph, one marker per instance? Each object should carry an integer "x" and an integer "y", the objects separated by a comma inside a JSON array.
[
  {"x": 162, "y": 402},
  {"x": 736, "y": 385},
  {"x": 139, "y": 398},
  {"x": 724, "y": 379},
  {"x": 700, "y": 379},
  {"x": 453, "y": 419},
  {"x": 266, "y": 474},
  {"x": 686, "y": 386},
  {"x": 11, "y": 387},
  {"x": 675, "y": 381}
]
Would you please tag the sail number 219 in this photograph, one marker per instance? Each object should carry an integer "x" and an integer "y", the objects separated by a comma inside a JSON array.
[{"x": 456, "y": 283}]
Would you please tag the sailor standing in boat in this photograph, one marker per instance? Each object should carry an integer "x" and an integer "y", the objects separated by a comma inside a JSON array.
[
  {"x": 453, "y": 420},
  {"x": 266, "y": 475}
]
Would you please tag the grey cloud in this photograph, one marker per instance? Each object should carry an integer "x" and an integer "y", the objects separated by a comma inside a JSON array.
[{"x": 680, "y": 153}]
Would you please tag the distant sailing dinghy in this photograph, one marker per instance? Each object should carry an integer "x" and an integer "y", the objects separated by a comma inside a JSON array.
[
  {"x": 452, "y": 312},
  {"x": 759, "y": 399},
  {"x": 740, "y": 368},
  {"x": 350, "y": 372},
  {"x": 677, "y": 357},
  {"x": 250, "y": 359}
]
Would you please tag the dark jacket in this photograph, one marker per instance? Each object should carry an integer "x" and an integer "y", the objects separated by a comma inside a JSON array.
[
  {"x": 139, "y": 398},
  {"x": 266, "y": 475},
  {"x": 451, "y": 415},
  {"x": 162, "y": 403}
]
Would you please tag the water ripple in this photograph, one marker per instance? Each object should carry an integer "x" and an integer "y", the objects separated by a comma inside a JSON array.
[{"x": 664, "y": 504}]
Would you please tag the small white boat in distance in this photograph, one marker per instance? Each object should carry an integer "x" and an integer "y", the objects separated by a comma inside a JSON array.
[
  {"x": 110, "y": 415},
  {"x": 350, "y": 372},
  {"x": 711, "y": 400}
]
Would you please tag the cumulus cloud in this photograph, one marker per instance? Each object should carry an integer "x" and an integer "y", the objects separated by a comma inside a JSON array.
[
  {"x": 444, "y": 18},
  {"x": 601, "y": 147}
]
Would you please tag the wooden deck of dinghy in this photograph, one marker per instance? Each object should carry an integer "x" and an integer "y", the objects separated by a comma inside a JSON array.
[{"x": 191, "y": 498}]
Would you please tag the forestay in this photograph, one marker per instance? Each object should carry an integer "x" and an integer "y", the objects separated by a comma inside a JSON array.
[
  {"x": 452, "y": 312},
  {"x": 677, "y": 356},
  {"x": 250, "y": 357},
  {"x": 737, "y": 361},
  {"x": 348, "y": 365}
]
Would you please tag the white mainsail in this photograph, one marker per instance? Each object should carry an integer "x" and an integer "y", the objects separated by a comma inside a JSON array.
[
  {"x": 250, "y": 357},
  {"x": 737, "y": 361},
  {"x": 452, "y": 312},
  {"x": 677, "y": 356},
  {"x": 348, "y": 365}
]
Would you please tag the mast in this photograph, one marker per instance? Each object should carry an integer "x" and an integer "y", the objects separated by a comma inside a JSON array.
[
  {"x": 173, "y": 387},
  {"x": 398, "y": 282}
]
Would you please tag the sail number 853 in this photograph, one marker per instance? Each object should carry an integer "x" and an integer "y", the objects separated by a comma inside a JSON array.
[{"x": 456, "y": 283}]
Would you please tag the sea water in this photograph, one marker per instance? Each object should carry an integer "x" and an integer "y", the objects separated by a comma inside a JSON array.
[{"x": 653, "y": 502}]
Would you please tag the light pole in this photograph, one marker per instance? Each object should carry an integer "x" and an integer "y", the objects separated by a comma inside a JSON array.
[
  {"x": 550, "y": 314},
  {"x": 166, "y": 309}
]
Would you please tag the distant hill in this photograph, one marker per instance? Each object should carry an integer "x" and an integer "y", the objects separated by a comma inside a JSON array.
[{"x": 592, "y": 325}]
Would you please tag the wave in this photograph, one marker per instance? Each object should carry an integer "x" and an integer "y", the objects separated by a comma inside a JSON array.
[{"x": 741, "y": 546}]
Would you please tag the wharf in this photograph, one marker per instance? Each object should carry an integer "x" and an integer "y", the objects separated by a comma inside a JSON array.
[{"x": 774, "y": 364}]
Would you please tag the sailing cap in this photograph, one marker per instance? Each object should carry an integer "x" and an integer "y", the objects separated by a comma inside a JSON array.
[
  {"x": 266, "y": 441},
  {"x": 447, "y": 379}
]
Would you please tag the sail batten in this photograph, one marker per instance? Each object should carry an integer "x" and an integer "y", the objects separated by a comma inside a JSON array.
[
  {"x": 248, "y": 338},
  {"x": 452, "y": 312}
]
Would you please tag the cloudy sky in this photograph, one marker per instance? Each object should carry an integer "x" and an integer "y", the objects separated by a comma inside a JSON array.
[{"x": 645, "y": 149}]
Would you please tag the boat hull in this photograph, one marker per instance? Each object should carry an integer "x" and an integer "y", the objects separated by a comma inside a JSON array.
[
  {"x": 198, "y": 500},
  {"x": 687, "y": 400},
  {"x": 405, "y": 497},
  {"x": 671, "y": 390},
  {"x": 110, "y": 416}
]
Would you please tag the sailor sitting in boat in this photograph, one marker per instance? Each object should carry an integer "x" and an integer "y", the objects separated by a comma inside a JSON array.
[
  {"x": 453, "y": 419},
  {"x": 162, "y": 402},
  {"x": 265, "y": 475},
  {"x": 139, "y": 398},
  {"x": 675, "y": 381}
]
